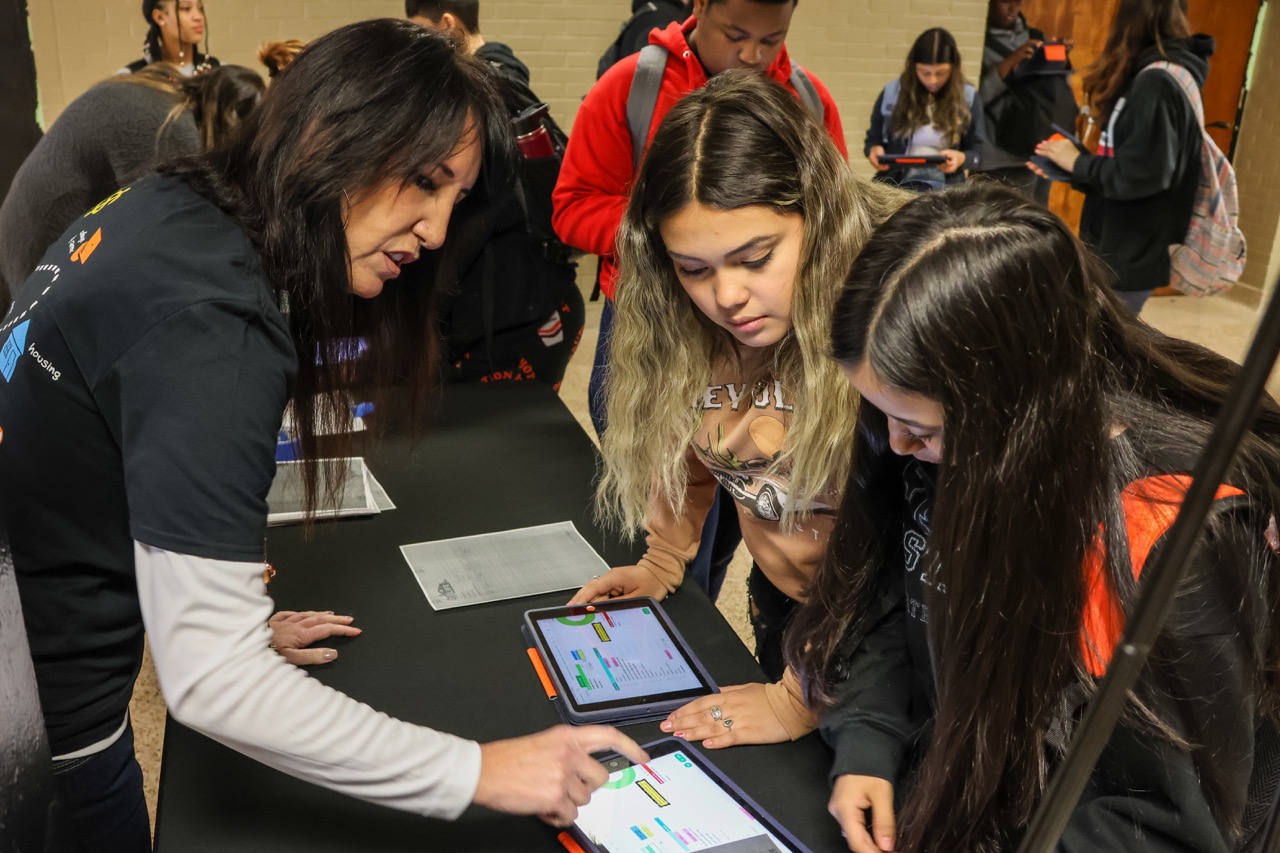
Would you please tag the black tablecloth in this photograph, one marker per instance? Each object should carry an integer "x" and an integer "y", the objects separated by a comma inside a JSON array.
[{"x": 493, "y": 458}]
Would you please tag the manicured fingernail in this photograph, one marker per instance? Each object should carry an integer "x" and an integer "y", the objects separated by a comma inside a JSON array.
[
  {"x": 679, "y": 734},
  {"x": 329, "y": 611},
  {"x": 329, "y": 654},
  {"x": 348, "y": 618},
  {"x": 666, "y": 725}
]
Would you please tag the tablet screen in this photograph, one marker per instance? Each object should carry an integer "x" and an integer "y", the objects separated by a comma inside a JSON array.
[
  {"x": 670, "y": 804},
  {"x": 617, "y": 655}
]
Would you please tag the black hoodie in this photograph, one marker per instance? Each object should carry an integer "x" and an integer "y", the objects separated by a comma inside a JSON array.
[
  {"x": 1139, "y": 201},
  {"x": 501, "y": 56}
]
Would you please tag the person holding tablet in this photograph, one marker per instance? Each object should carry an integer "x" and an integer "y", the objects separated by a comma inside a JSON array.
[
  {"x": 929, "y": 112},
  {"x": 743, "y": 222},
  {"x": 147, "y": 364},
  {"x": 1000, "y": 510}
]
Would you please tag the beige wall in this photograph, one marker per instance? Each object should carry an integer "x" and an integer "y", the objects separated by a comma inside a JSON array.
[
  {"x": 1258, "y": 168},
  {"x": 854, "y": 46}
]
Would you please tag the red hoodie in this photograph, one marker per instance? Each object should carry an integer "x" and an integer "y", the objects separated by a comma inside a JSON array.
[{"x": 595, "y": 178}]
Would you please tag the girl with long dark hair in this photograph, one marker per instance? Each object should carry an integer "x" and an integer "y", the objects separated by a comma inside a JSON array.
[
  {"x": 104, "y": 139},
  {"x": 175, "y": 29},
  {"x": 741, "y": 226},
  {"x": 929, "y": 110},
  {"x": 1140, "y": 186},
  {"x": 148, "y": 364},
  {"x": 1022, "y": 446}
]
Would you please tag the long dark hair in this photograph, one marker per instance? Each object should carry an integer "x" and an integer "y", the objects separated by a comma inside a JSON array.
[
  {"x": 370, "y": 102},
  {"x": 220, "y": 99},
  {"x": 950, "y": 113},
  {"x": 1137, "y": 26},
  {"x": 985, "y": 302}
]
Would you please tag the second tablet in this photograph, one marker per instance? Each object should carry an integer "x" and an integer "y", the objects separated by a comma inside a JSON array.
[{"x": 616, "y": 661}]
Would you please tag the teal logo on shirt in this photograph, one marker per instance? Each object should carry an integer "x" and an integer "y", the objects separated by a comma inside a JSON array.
[{"x": 12, "y": 350}]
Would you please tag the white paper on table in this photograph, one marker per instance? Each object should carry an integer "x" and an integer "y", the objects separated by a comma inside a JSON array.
[
  {"x": 362, "y": 494},
  {"x": 499, "y": 566}
]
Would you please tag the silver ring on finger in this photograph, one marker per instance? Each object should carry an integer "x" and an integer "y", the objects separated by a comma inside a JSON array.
[
  {"x": 716, "y": 713},
  {"x": 728, "y": 724}
]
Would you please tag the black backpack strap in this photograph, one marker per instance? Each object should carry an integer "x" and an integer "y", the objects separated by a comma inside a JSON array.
[
  {"x": 487, "y": 287},
  {"x": 643, "y": 98},
  {"x": 808, "y": 93}
]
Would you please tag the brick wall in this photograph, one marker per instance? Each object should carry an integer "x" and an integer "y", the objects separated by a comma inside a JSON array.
[
  {"x": 855, "y": 46},
  {"x": 1258, "y": 168}
]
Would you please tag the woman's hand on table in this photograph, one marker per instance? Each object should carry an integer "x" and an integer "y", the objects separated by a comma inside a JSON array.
[
  {"x": 739, "y": 713},
  {"x": 851, "y": 797},
  {"x": 622, "y": 582},
  {"x": 292, "y": 632},
  {"x": 551, "y": 773}
]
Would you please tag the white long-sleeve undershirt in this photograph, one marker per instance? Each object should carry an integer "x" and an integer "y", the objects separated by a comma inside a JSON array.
[{"x": 207, "y": 623}]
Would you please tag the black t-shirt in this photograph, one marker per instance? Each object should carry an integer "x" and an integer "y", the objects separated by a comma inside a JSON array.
[{"x": 144, "y": 369}]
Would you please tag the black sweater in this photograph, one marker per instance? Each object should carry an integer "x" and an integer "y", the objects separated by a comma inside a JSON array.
[
  {"x": 1139, "y": 200},
  {"x": 1144, "y": 794}
]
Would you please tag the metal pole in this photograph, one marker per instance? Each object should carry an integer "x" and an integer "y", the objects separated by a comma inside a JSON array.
[{"x": 1159, "y": 583}]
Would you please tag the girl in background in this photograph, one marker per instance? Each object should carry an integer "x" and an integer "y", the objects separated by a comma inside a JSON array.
[
  {"x": 103, "y": 140},
  {"x": 741, "y": 227},
  {"x": 1140, "y": 186},
  {"x": 175, "y": 28},
  {"x": 1022, "y": 446},
  {"x": 929, "y": 110}
]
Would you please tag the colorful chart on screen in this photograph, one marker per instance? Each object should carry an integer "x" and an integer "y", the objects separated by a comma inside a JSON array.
[
  {"x": 617, "y": 655},
  {"x": 671, "y": 804}
]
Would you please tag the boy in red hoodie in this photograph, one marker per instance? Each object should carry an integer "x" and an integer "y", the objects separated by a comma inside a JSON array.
[{"x": 595, "y": 178}]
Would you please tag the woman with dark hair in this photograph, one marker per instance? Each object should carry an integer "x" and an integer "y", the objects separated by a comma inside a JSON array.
[
  {"x": 106, "y": 138},
  {"x": 1022, "y": 446},
  {"x": 1140, "y": 186},
  {"x": 149, "y": 361},
  {"x": 929, "y": 111},
  {"x": 174, "y": 31}
]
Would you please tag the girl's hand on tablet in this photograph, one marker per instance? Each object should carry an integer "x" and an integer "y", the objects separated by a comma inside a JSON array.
[
  {"x": 622, "y": 582},
  {"x": 851, "y": 797},
  {"x": 740, "y": 713},
  {"x": 551, "y": 773},
  {"x": 292, "y": 632}
]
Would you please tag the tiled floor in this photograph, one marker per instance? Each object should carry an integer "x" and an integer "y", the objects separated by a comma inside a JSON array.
[{"x": 1224, "y": 326}]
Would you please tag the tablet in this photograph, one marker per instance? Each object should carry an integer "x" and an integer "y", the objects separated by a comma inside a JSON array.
[
  {"x": 616, "y": 660},
  {"x": 912, "y": 159},
  {"x": 676, "y": 801}
]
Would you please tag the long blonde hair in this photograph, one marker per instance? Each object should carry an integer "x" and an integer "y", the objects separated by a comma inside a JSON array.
[{"x": 741, "y": 140}]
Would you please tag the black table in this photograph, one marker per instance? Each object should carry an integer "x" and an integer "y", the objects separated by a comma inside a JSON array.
[{"x": 495, "y": 457}]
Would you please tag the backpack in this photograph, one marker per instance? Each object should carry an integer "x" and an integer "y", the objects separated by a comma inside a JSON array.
[
  {"x": 1211, "y": 256},
  {"x": 642, "y": 100},
  {"x": 613, "y": 53},
  {"x": 536, "y": 175}
]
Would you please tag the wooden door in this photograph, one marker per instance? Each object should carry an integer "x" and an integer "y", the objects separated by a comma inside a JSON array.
[{"x": 1231, "y": 22}]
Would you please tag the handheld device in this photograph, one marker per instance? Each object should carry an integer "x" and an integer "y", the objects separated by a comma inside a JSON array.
[
  {"x": 1052, "y": 169},
  {"x": 912, "y": 159},
  {"x": 676, "y": 801},
  {"x": 614, "y": 661},
  {"x": 1050, "y": 59}
]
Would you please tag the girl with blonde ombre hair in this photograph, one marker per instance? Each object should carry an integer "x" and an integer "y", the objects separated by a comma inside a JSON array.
[{"x": 743, "y": 223}]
